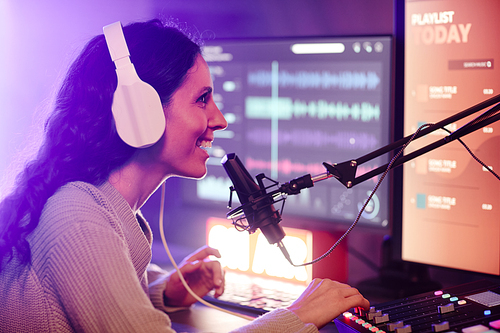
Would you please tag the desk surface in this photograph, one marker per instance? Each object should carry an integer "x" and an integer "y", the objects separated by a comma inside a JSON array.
[{"x": 200, "y": 318}]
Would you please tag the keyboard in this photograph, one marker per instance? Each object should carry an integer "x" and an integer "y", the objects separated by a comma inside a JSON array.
[
  {"x": 256, "y": 294},
  {"x": 468, "y": 308}
]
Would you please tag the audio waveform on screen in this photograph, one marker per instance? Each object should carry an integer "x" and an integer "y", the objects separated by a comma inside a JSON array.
[
  {"x": 342, "y": 80},
  {"x": 311, "y": 138},
  {"x": 287, "y": 167},
  {"x": 284, "y": 108}
]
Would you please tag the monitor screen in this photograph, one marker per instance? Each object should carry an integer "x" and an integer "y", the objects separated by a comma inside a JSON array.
[
  {"x": 292, "y": 104},
  {"x": 450, "y": 201}
]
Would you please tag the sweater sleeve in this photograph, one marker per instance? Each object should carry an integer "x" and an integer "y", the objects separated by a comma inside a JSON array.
[
  {"x": 157, "y": 282},
  {"x": 277, "y": 321}
]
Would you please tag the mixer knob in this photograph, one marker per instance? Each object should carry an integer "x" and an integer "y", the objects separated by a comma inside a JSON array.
[
  {"x": 450, "y": 307},
  {"x": 404, "y": 329},
  {"x": 372, "y": 314},
  {"x": 440, "y": 327},
  {"x": 382, "y": 319},
  {"x": 391, "y": 327}
]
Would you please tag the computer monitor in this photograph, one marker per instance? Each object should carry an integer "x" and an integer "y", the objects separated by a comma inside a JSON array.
[
  {"x": 450, "y": 203},
  {"x": 294, "y": 103}
]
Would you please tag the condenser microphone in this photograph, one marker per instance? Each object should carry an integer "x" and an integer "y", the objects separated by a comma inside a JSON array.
[{"x": 256, "y": 203}]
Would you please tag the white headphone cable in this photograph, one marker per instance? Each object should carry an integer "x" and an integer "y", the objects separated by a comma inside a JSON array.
[{"x": 165, "y": 245}]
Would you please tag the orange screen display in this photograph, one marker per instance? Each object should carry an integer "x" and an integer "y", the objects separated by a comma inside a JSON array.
[{"x": 451, "y": 203}]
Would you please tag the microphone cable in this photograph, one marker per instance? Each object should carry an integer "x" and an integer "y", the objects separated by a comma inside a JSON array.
[
  {"x": 327, "y": 253},
  {"x": 285, "y": 252},
  {"x": 478, "y": 160}
]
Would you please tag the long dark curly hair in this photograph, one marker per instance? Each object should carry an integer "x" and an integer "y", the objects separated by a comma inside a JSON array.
[{"x": 80, "y": 139}]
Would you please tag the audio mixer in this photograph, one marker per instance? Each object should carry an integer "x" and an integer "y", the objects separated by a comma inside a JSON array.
[{"x": 468, "y": 308}]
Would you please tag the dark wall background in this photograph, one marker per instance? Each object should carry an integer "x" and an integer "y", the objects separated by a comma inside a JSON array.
[{"x": 278, "y": 18}]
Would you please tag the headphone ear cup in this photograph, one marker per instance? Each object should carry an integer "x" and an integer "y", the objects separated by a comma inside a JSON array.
[
  {"x": 137, "y": 109},
  {"x": 138, "y": 113}
]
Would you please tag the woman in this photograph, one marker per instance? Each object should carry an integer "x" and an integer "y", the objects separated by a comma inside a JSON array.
[{"x": 74, "y": 249}]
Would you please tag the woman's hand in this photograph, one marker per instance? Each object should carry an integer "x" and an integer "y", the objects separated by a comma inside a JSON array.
[
  {"x": 201, "y": 274},
  {"x": 324, "y": 300}
]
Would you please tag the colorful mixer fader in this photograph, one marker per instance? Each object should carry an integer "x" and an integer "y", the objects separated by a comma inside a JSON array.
[{"x": 468, "y": 308}]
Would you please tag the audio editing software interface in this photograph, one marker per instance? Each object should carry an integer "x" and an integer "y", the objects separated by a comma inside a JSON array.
[
  {"x": 292, "y": 105},
  {"x": 451, "y": 202}
]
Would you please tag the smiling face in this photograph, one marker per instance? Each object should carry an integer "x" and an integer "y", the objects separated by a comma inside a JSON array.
[{"x": 191, "y": 119}]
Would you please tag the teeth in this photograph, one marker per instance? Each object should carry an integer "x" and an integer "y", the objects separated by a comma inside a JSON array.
[{"x": 204, "y": 144}]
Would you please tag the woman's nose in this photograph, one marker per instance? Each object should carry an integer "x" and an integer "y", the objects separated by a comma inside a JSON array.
[{"x": 217, "y": 120}]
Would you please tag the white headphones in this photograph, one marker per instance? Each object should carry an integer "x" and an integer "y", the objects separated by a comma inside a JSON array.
[{"x": 137, "y": 108}]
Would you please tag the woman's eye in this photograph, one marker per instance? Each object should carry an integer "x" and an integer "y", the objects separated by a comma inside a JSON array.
[{"x": 203, "y": 98}]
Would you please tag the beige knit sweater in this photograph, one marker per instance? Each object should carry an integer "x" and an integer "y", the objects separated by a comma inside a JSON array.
[{"x": 89, "y": 272}]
